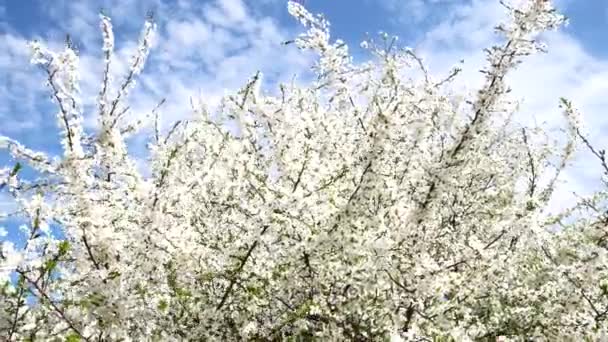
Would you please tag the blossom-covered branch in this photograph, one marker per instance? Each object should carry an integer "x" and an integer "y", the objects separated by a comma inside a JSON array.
[{"x": 375, "y": 201}]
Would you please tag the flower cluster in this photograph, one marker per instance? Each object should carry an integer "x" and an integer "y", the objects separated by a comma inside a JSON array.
[{"x": 366, "y": 205}]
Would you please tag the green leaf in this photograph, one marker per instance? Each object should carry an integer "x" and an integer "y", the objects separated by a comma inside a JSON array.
[
  {"x": 96, "y": 299},
  {"x": 36, "y": 223},
  {"x": 21, "y": 281},
  {"x": 302, "y": 310},
  {"x": 163, "y": 305},
  {"x": 72, "y": 338},
  {"x": 254, "y": 290},
  {"x": 15, "y": 169},
  {"x": 50, "y": 265},
  {"x": 64, "y": 246},
  {"x": 182, "y": 293},
  {"x": 208, "y": 276},
  {"x": 113, "y": 275}
]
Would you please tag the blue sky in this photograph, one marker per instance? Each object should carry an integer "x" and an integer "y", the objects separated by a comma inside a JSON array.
[
  {"x": 209, "y": 46},
  {"x": 350, "y": 20}
]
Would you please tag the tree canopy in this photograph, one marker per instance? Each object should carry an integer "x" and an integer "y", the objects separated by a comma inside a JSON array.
[{"x": 374, "y": 202}]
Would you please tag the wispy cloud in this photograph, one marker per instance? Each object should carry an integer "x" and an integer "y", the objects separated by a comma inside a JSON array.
[
  {"x": 20, "y": 91},
  {"x": 200, "y": 49}
]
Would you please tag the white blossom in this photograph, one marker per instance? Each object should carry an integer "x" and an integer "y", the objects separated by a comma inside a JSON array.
[{"x": 363, "y": 205}]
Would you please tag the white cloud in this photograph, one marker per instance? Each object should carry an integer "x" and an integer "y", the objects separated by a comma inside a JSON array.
[
  {"x": 188, "y": 34},
  {"x": 20, "y": 91},
  {"x": 200, "y": 49},
  {"x": 197, "y": 54},
  {"x": 234, "y": 11}
]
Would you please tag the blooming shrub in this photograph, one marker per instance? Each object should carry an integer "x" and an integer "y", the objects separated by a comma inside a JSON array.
[{"x": 374, "y": 202}]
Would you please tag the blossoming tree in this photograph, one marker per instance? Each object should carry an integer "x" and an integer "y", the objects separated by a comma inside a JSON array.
[{"x": 374, "y": 202}]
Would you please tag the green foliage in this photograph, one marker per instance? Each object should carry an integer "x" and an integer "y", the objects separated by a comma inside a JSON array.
[
  {"x": 64, "y": 247},
  {"x": 72, "y": 338},
  {"x": 162, "y": 305},
  {"x": 15, "y": 169}
]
